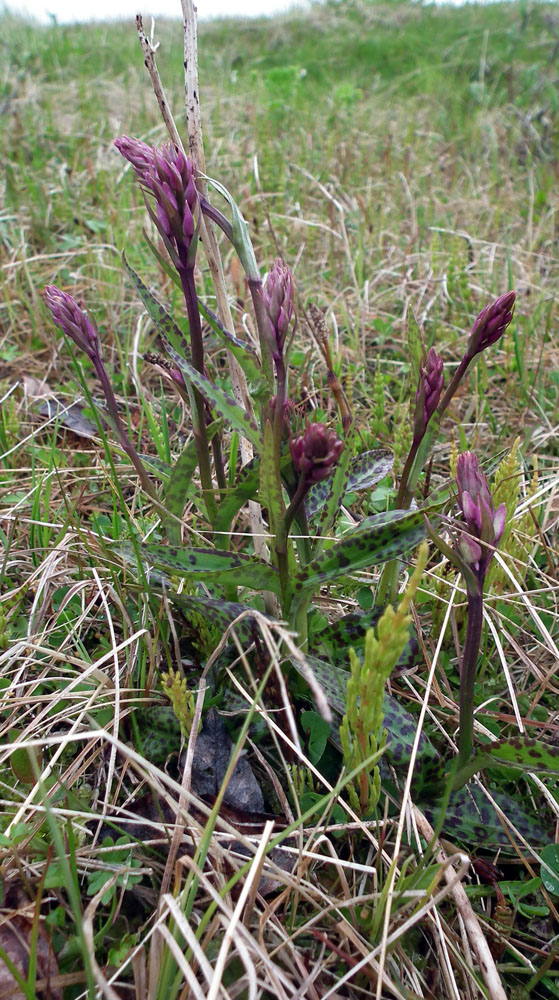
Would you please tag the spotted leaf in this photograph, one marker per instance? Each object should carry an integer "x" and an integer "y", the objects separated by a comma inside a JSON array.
[
  {"x": 223, "y": 404},
  {"x": 159, "y": 315},
  {"x": 365, "y": 471},
  {"x": 204, "y": 563},
  {"x": 379, "y": 538}
]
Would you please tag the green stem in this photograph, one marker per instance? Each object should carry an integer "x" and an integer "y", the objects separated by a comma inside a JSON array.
[
  {"x": 468, "y": 675},
  {"x": 198, "y": 417},
  {"x": 405, "y": 495}
]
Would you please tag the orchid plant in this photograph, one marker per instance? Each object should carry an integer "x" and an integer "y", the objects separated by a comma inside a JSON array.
[{"x": 301, "y": 471}]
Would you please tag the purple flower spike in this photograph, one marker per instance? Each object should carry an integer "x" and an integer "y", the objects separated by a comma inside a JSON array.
[
  {"x": 74, "y": 321},
  {"x": 315, "y": 452},
  {"x": 483, "y": 523},
  {"x": 429, "y": 389},
  {"x": 491, "y": 324},
  {"x": 278, "y": 299},
  {"x": 168, "y": 175}
]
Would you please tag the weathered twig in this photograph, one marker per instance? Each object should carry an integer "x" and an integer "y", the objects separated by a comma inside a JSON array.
[{"x": 207, "y": 231}]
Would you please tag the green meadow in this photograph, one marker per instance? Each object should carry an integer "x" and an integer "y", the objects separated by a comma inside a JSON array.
[{"x": 155, "y": 636}]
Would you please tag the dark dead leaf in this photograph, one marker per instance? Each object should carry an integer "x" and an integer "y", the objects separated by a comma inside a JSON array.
[
  {"x": 69, "y": 416},
  {"x": 211, "y": 760},
  {"x": 16, "y": 930}
]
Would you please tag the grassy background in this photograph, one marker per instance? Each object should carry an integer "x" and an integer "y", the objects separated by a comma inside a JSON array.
[{"x": 408, "y": 165}]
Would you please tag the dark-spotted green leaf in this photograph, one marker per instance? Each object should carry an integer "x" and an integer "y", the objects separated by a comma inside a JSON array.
[
  {"x": 222, "y": 567},
  {"x": 365, "y": 471},
  {"x": 176, "y": 489},
  {"x": 401, "y": 727},
  {"x": 518, "y": 752},
  {"x": 163, "y": 321},
  {"x": 382, "y": 537},
  {"x": 223, "y": 404},
  {"x": 471, "y": 819},
  {"x": 219, "y": 613},
  {"x": 350, "y": 630},
  {"x": 157, "y": 467},
  {"x": 529, "y": 754}
]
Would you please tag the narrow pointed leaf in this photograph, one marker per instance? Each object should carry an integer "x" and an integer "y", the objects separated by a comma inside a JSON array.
[
  {"x": 157, "y": 467},
  {"x": 240, "y": 349},
  {"x": 222, "y": 567},
  {"x": 159, "y": 315},
  {"x": 385, "y": 536},
  {"x": 223, "y": 404},
  {"x": 240, "y": 232},
  {"x": 415, "y": 345}
]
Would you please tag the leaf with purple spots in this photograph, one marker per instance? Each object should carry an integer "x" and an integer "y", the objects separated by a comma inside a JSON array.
[
  {"x": 378, "y": 539},
  {"x": 516, "y": 752},
  {"x": 350, "y": 630},
  {"x": 365, "y": 471},
  {"x": 471, "y": 819},
  {"x": 223, "y": 404},
  {"x": 159, "y": 315},
  {"x": 201, "y": 563}
]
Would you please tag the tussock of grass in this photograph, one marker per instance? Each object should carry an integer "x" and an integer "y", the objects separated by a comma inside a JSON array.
[{"x": 407, "y": 164}]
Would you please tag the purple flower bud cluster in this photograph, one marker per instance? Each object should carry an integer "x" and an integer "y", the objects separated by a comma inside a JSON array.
[
  {"x": 74, "y": 321},
  {"x": 278, "y": 299},
  {"x": 315, "y": 452},
  {"x": 491, "y": 324},
  {"x": 429, "y": 389},
  {"x": 169, "y": 176},
  {"x": 484, "y": 524}
]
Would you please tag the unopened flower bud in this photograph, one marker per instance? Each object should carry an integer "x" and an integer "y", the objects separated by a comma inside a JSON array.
[
  {"x": 430, "y": 385},
  {"x": 491, "y": 323},
  {"x": 74, "y": 321},
  {"x": 315, "y": 452},
  {"x": 278, "y": 299},
  {"x": 483, "y": 523},
  {"x": 168, "y": 175}
]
